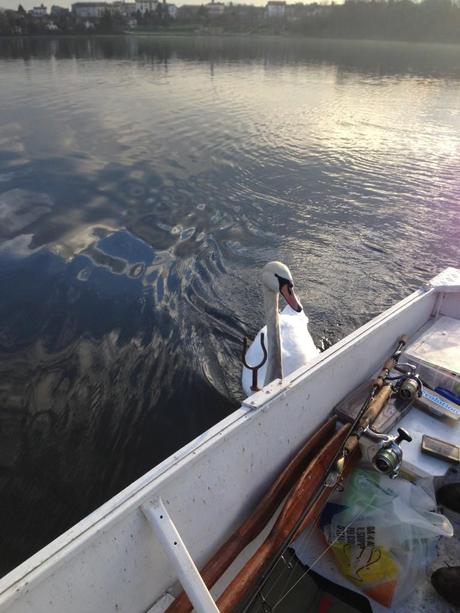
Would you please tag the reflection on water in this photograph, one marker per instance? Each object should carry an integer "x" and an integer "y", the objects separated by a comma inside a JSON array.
[
  {"x": 105, "y": 370},
  {"x": 143, "y": 183}
]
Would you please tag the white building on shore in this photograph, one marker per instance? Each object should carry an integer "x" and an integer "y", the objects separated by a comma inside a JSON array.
[
  {"x": 127, "y": 9},
  {"x": 39, "y": 11},
  {"x": 172, "y": 11},
  {"x": 215, "y": 9},
  {"x": 146, "y": 6},
  {"x": 276, "y": 9},
  {"x": 89, "y": 10}
]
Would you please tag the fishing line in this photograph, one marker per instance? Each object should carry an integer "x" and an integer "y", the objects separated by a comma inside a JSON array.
[
  {"x": 305, "y": 537},
  {"x": 323, "y": 553},
  {"x": 362, "y": 510},
  {"x": 325, "y": 483},
  {"x": 287, "y": 566},
  {"x": 263, "y": 580}
]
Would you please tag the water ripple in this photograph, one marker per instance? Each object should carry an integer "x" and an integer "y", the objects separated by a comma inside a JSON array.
[{"x": 143, "y": 184}]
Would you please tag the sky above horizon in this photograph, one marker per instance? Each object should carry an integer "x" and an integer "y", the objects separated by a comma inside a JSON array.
[{"x": 28, "y": 4}]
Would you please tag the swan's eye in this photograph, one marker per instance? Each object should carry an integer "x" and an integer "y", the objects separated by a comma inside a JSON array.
[{"x": 282, "y": 282}]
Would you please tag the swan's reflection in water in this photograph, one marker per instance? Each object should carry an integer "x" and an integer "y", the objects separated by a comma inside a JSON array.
[{"x": 105, "y": 379}]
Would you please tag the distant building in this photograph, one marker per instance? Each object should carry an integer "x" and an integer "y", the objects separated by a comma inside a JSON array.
[
  {"x": 303, "y": 11},
  {"x": 59, "y": 11},
  {"x": 89, "y": 10},
  {"x": 146, "y": 6},
  {"x": 172, "y": 11},
  {"x": 249, "y": 13},
  {"x": 297, "y": 11},
  {"x": 215, "y": 9},
  {"x": 189, "y": 12},
  {"x": 276, "y": 9},
  {"x": 38, "y": 11},
  {"x": 127, "y": 9}
]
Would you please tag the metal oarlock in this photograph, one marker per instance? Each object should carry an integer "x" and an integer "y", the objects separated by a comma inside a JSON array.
[{"x": 255, "y": 369}]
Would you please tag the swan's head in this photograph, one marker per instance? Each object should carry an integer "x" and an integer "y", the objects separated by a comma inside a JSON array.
[{"x": 277, "y": 277}]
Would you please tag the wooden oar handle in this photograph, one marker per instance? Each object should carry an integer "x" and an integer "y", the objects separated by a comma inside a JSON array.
[
  {"x": 291, "y": 513},
  {"x": 267, "y": 506}
]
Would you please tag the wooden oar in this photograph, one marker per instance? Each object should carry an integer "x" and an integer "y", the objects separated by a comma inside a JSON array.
[
  {"x": 308, "y": 484},
  {"x": 302, "y": 506},
  {"x": 260, "y": 516},
  {"x": 305, "y": 501}
]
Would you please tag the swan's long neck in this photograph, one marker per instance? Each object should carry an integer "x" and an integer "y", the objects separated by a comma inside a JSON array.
[{"x": 274, "y": 366}]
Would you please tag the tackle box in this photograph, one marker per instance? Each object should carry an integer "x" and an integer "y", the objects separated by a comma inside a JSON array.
[{"x": 435, "y": 351}]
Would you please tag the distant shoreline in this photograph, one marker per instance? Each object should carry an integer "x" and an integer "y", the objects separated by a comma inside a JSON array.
[
  {"x": 286, "y": 36},
  {"x": 224, "y": 35}
]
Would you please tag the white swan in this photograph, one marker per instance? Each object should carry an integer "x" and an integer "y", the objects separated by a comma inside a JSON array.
[{"x": 289, "y": 343}]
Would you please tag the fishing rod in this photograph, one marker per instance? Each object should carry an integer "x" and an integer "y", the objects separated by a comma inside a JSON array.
[
  {"x": 337, "y": 463},
  {"x": 261, "y": 515}
]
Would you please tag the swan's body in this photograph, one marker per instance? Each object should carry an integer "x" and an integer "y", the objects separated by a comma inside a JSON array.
[{"x": 289, "y": 343}]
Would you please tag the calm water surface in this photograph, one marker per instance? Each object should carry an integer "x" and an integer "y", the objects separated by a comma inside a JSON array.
[{"x": 143, "y": 183}]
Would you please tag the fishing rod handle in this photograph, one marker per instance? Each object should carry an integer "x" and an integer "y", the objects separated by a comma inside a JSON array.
[
  {"x": 285, "y": 526},
  {"x": 375, "y": 407},
  {"x": 391, "y": 362},
  {"x": 315, "y": 511},
  {"x": 266, "y": 508}
]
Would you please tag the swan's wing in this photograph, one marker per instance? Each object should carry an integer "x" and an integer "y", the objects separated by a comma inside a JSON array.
[{"x": 298, "y": 348}]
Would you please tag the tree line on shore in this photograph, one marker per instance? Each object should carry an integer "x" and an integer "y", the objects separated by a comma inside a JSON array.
[{"x": 403, "y": 20}]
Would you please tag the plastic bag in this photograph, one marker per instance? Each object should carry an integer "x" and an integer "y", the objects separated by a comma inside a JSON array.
[{"x": 383, "y": 533}]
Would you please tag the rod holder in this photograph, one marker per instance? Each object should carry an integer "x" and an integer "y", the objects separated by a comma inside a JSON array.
[{"x": 255, "y": 369}]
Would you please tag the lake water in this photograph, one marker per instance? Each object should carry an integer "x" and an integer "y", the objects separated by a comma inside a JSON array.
[{"x": 143, "y": 184}]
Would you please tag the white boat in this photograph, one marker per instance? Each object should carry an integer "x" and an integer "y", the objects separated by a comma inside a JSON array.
[{"x": 120, "y": 559}]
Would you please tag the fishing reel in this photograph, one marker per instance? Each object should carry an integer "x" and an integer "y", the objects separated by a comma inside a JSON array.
[
  {"x": 388, "y": 458},
  {"x": 408, "y": 384}
]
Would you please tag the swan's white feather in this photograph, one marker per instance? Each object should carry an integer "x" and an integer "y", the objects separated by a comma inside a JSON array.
[{"x": 297, "y": 347}]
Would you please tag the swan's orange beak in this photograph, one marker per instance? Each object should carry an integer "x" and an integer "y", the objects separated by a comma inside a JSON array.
[{"x": 288, "y": 294}]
